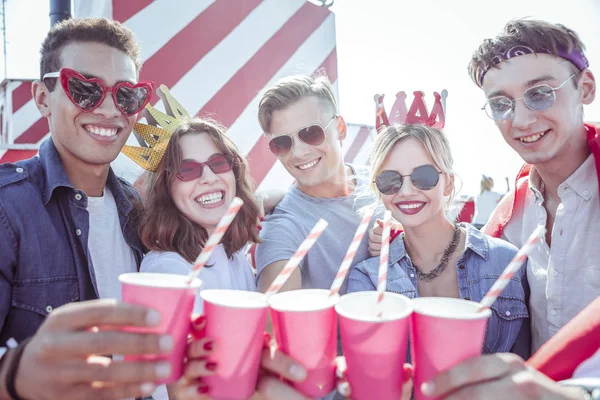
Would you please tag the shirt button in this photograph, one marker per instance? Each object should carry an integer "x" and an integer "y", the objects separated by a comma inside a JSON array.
[
  {"x": 412, "y": 275},
  {"x": 555, "y": 273},
  {"x": 507, "y": 313},
  {"x": 78, "y": 232},
  {"x": 19, "y": 170},
  {"x": 48, "y": 309},
  {"x": 553, "y": 312},
  {"x": 461, "y": 266},
  {"x": 78, "y": 196},
  {"x": 467, "y": 298}
]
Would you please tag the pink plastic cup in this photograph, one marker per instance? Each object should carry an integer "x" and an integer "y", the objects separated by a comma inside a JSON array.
[
  {"x": 235, "y": 320},
  {"x": 305, "y": 328},
  {"x": 375, "y": 348},
  {"x": 445, "y": 332},
  {"x": 174, "y": 299}
]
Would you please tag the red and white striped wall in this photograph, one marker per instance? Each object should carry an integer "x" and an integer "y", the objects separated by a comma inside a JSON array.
[{"x": 216, "y": 56}]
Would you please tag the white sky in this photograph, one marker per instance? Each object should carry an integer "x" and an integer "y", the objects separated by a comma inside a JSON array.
[{"x": 385, "y": 46}]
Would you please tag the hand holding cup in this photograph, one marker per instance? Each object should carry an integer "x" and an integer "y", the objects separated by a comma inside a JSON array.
[{"x": 61, "y": 362}]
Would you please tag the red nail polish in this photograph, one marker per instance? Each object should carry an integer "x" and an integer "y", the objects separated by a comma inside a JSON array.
[
  {"x": 259, "y": 228},
  {"x": 199, "y": 320},
  {"x": 208, "y": 346},
  {"x": 267, "y": 339},
  {"x": 211, "y": 366},
  {"x": 262, "y": 219},
  {"x": 203, "y": 389}
]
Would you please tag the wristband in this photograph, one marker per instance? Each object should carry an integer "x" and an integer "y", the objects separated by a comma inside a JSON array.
[{"x": 11, "y": 375}]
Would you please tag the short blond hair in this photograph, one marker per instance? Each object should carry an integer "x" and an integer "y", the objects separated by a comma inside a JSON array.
[
  {"x": 434, "y": 141},
  {"x": 289, "y": 90}
]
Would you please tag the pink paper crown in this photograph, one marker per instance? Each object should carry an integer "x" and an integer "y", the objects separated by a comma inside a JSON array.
[{"x": 417, "y": 115}]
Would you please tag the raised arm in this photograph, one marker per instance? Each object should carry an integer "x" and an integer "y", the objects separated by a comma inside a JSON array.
[{"x": 270, "y": 272}]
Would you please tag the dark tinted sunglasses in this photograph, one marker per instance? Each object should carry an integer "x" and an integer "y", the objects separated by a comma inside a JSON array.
[
  {"x": 87, "y": 94},
  {"x": 312, "y": 135},
  {"x": 218, "y": 164},
  {"x": 424, "y": 177}
]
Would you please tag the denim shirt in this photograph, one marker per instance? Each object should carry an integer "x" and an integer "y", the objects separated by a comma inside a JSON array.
[
  {"x": 44, "y": 224},
  {"x": 477, "y": 268}
]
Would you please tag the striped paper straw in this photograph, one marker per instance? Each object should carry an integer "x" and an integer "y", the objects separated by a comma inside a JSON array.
[
  {"x": 347, "y": 262},
  {"x": 216, "y": 237},
  {"x": 512, "y": 268},
  {"x": 383, "y": 260},
  {"x": 293, "y": 262}
]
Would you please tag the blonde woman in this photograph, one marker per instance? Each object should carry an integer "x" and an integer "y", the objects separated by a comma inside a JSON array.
[{"x": 412, "y": 175}]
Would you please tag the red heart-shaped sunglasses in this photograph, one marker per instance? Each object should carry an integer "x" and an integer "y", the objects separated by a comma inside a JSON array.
[{"x": 88, "y": 93}]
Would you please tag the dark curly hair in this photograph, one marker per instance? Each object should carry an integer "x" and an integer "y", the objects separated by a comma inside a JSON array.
[{"x": 100, "y": 30}]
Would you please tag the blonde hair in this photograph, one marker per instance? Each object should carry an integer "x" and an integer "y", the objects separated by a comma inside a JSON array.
[
  {"x": 434, "y": 141},
  {"x": 289, "y": 90}
]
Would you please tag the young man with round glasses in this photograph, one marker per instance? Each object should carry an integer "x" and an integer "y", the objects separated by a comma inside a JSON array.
[
  {"x": 536, "y": 80},
  {"x": 300, "y": 117}
]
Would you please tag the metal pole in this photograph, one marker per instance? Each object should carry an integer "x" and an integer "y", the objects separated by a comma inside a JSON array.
[
  {"x": 4, "y": 37},
  {"x": 59, "y": 10}
]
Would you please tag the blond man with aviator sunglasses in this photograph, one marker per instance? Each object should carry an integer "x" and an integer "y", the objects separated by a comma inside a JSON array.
[{"x": 299, "y": 115}]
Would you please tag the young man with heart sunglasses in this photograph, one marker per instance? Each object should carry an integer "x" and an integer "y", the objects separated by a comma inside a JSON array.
[
  {"x": 69, "y": 224},
  {"x": 300, "y": 118}
]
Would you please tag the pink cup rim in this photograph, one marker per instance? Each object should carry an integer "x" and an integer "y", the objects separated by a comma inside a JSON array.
[
  {"x": 372, "y": 295},
  {"x": 214, "y": 296},
  {"x": 159, "y": 280},
  {"x": 420, "y": 302},
  {"x": 278, "y": 296}
]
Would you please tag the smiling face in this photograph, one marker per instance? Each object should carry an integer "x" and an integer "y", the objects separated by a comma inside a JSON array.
[
  {"x": 311, "y": 166},
  {"x": 203, "y": 200},
  {"x": 412, "y": 206},
  {"x": 540, "y": 136},
  {"x": 95, "y": 137}
]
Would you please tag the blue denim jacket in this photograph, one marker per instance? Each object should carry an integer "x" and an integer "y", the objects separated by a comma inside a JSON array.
[
  {"x": 478, "y": 268},
  {"x": 44, "y": 225}
]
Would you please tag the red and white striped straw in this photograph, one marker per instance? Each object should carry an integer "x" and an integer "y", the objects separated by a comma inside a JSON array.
[
  {"x": 293, "y": 262},
  {"x": 347, "y": 262},
  {"x": 215, "y": 237},
  {"x": 512, "y": 268},
  {"x": 383, "y": 260}
]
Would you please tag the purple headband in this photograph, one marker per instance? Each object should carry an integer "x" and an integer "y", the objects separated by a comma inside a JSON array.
[{"x": 576, "y": 57}]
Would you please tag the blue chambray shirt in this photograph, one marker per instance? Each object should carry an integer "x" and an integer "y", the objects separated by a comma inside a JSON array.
[
  {"x": 478, "y": 268},
  {"x": 44, "y": 225}
]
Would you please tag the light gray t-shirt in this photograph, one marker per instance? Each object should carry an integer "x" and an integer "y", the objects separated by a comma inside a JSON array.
[
  {"x": 111, "y": 255},
  {"x": 233, "y": 273},
  {"x": 284, "y": 230}
]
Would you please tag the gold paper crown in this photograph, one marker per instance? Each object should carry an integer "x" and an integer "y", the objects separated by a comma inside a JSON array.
[{"x": 157, "y": 137}]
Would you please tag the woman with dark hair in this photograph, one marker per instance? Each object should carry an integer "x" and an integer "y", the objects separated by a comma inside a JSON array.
[{"x": 194, "y": 183}]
